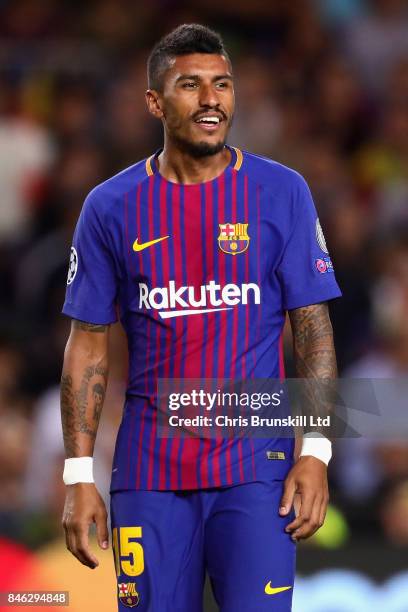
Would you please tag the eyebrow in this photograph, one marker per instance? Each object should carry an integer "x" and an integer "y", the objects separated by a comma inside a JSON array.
[{"x": 197, "y": 77}]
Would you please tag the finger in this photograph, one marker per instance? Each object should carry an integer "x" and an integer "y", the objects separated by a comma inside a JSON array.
[
  {"x": 312, "y": 525},
  {"x": 297, "y": 503},
  {"x": 69, "y": 536},
  {"x": 286, "y": 502},
  {"x": 69, "y": 541},
  {"x": 102, "y": 533},
  {"x": 81, "y": 548},
  {"x": 66, "y": 537},
  {"x": 296, "y": 524},
  {"x": 306, "y": 506},
  {"x": 84, "y": 549},
  {"x": 72, "y": 546},
  {"x": 323, "y": 511}
]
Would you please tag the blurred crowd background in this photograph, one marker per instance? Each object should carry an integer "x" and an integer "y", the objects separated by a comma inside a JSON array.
[{"x": 322, "y": 86}]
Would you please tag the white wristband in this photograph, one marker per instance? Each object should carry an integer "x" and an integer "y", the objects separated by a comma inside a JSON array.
[
  {"x": 78, "y": 469},
  {"x": 316, "y": 445}
]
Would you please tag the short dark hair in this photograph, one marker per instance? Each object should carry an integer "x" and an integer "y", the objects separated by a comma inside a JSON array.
[{"x": 185, "y": 39}]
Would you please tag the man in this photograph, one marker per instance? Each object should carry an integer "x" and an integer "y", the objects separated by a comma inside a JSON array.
[{"x": 200, "y": 250}]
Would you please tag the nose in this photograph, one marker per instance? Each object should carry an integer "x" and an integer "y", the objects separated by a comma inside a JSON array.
[{"x": 208, "y": 96}]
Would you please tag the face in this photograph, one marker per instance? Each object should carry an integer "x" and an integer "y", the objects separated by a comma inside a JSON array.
[{"x": 196, "y": 104}]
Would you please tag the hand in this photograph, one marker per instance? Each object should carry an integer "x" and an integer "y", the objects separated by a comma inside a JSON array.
[
  {"x": 308, "y": 478},
  {"x": 83, "y": 506}
]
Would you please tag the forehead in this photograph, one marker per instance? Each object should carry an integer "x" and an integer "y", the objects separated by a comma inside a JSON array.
[{"x": 201, "y": 64}]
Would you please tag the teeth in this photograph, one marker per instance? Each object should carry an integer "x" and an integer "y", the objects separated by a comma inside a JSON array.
[{"x": 209, "y": 120}]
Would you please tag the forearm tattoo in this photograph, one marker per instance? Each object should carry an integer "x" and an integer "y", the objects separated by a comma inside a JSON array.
[
  {"x": 68, "y": 416},
  {"x": 315, "y": 359},
  {"x": 81, "y": 408},
  {"x": 89, "y": 327},
  {"x": 314, "y": 352}
]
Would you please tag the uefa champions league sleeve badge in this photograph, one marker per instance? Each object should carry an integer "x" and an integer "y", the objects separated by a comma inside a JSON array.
[
  {"x": 73, "y": 265},
  {"x": 321, "y": 241}
]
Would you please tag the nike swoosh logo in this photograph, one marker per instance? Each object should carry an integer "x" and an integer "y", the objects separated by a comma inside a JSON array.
[
  {"x": 270, "y": 590},
  {"x": 144, "y": 245}
]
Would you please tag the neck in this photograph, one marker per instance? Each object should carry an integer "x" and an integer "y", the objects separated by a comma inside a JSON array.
[{"x": 180, "y": 167}]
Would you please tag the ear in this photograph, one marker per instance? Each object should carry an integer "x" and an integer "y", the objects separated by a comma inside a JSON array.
[{"x": 154, "y": 103}]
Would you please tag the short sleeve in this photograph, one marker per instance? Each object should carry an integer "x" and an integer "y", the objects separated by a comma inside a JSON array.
[
  {"x": 306, "y": 271},
  {"x": 92, "y": 281}
]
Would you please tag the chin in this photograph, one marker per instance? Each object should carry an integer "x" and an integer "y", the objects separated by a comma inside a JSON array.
[{"x": 201, "y": 148}]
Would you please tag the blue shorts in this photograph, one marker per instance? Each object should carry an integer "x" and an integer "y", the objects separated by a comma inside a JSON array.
[{"x": 165, "y": 541}]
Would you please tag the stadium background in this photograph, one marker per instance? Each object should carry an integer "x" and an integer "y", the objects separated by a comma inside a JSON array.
[{"x": 322, "y": 86}]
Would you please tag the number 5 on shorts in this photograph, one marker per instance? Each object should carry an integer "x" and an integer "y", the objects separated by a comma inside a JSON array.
[{"x": 129, "y": 549}]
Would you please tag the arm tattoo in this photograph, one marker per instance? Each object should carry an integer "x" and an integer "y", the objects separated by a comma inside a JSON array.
[
  {"x": 98, "y": 395},
  {"x": 68, "y": 416},
  {"x": 315, "y": 358},
  {"x": 81, "y": 408},
  {"x": 89, "y": 327}
]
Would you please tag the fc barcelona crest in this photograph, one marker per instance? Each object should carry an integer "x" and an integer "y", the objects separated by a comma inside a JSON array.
[
  {"x": 233, "y": 238},
  {"x": 128, "y": 595}
]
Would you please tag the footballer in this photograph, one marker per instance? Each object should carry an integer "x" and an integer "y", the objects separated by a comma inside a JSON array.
[{"x": 199, "y": 250}]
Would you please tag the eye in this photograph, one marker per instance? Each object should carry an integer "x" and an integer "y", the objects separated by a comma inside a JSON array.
[
  {"x": 222, "y": 85},
  {"x": 189, "y": 85}
]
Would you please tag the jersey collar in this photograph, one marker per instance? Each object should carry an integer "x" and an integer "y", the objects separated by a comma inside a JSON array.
[{"x": 235, "y": 163}]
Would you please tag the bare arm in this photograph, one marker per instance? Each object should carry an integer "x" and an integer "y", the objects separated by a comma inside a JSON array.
[
  {"x": 83, "y": 387},
  {"x": 315, "y": 359},
  {"x": 313, "y": 345}
]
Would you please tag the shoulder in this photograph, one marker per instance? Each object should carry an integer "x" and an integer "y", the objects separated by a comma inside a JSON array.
[
  {"x": 105, "y": 197},
  {"x": 271, "y": 174},
  {"x": 284, "y": 186}
]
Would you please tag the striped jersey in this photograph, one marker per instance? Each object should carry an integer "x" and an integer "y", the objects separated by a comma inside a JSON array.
[{"x": 201, "y": 277}]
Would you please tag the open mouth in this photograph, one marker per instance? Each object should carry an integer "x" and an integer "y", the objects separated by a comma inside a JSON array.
[{"x": 209, "y": 123}]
